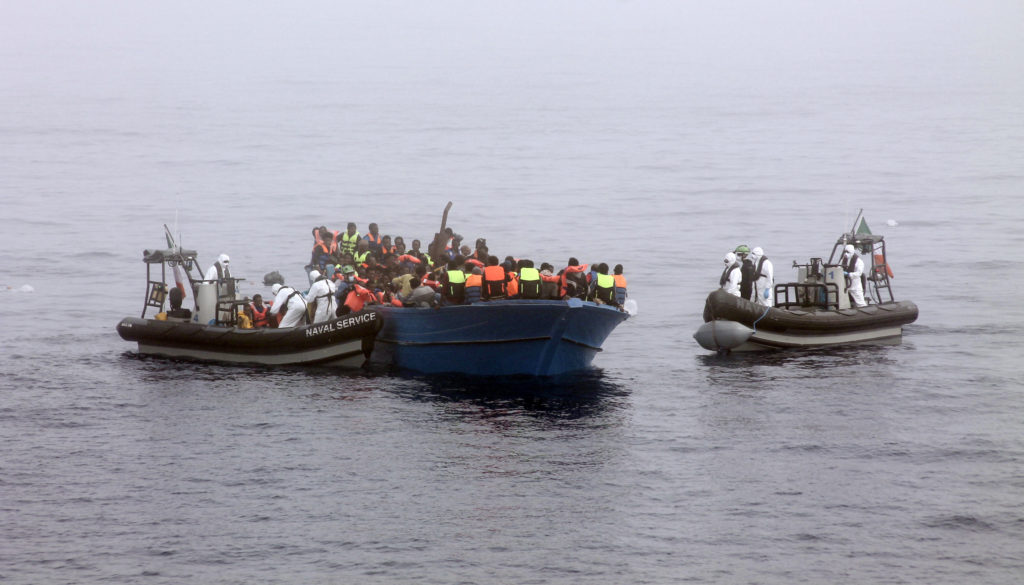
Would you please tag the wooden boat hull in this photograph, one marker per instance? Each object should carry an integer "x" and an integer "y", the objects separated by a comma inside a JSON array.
[{"x": 496, "y": 338}]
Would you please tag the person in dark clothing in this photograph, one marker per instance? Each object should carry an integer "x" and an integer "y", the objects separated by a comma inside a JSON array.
[{"x": 747, "y": 271}]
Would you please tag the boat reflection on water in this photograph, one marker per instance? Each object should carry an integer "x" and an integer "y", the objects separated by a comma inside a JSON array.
[{"x": 572, "y": 396}]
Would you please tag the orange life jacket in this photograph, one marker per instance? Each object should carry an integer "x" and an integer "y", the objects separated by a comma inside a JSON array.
[
  {"x": 578, "y": 274},
  {"x": 513, "y": 284},
  {"x": 474, "y": 284},
  {"x": 357, "y": 298},
  {"x": 259, "y": 318},
  {"x": 495, "y": 283}
]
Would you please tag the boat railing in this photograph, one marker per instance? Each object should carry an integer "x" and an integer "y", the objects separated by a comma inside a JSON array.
[{"x": 804, "y": 295}]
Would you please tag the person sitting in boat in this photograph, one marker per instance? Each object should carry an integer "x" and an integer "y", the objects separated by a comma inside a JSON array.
[
  {"x": 320, "y": 297},
  {"x": 421, "y": 296},
  {"x": 474, "y": 284},
  {"x": 574, "y": 282},
  {"x": 602, "y": 288},
  {"x": 530, "y": 281},
  {"x": 853, "y": 269},
  {"x": 550, "y": 282},
  {"x": 620, "y": 285},
  {"x": 730, "y": 280},
  {"x": 453, "y": 284},
  {"x": 258, "y": 313},
  {"x": 495, "y": 284},
  {"x": 176, "y": 313},
  {"x": 290, "y": 303},
  {"x": 424, "y": 257},
  {"x": 356, "y": 297},
  {"x": 401, "y": 282},
  {"x": 764, "y": 277}
]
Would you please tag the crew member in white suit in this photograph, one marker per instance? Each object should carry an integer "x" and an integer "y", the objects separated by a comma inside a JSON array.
[
  {"x": 853, "y": 268},
  {"x": 764, "y": 278},
  {"x": 291, "y": 301},
  {"x": 321, "y": 294},
  {"x": 730, "y": 280},
  {"x": 219, "y": 270}
]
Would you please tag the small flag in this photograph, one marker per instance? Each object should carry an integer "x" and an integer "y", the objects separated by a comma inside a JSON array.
[{"x": 864, "y": 229}]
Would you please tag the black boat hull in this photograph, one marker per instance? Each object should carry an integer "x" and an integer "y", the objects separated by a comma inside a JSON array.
[
  {"x": 732, "y": 323},
  {"x": 346, "y": 341}
]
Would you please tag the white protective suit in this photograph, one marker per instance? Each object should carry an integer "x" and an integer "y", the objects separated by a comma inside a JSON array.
[
  {"x": 322, "y": 291},
  {"x": 213, "y": 273},
  {"x": 296, "y": 313},
  {"x": 853, "y": 267},
  {"x": 764, "y": 278},
  {"x": 730, "y": 280}
]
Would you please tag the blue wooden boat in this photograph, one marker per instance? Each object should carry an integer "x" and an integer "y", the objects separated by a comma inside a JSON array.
[{"x": 495, "y": 338}]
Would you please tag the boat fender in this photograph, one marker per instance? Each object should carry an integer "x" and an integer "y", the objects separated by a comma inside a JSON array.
[{"x": 721, "y": 334}]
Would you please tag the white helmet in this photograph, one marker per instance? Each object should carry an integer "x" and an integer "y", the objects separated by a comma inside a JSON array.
[
  {"x": 730, "y": 258},
  {"x": 223, "y": 259},
  {"x": 757, "y": 251},
  {"x": 275, "y": 289},
  {"x": 849, "y": 249},
  {"x": 314, "y": 274}
]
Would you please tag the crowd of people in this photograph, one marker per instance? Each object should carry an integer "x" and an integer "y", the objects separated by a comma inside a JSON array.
[{"x": 348, "y": 270}]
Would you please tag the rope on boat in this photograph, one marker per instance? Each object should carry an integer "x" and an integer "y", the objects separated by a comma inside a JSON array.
[{"x": 766, "y": 309}]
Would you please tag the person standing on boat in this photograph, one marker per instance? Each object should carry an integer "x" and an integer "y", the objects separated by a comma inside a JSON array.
[
  {"x": 853, "y": 268},
  {"x": 373, "y": 238},
  {"x": 348, "y": 240},
  {"x": 321, "y": 297},
  {"x": 764, "y": 277},
  {"x": 289, "y": 301},
  {"x": 746, "y": 272},
  {"x": 219, "y": 270},
  {"x": 730, "y": 280}
]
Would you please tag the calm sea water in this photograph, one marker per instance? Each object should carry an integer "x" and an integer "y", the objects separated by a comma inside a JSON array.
[{"x": 658, "y": 135}]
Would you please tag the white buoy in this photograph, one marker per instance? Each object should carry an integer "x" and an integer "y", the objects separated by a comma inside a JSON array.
[
  {"x": 892, "y": 222},
  {"x": 26, "y": 288}
]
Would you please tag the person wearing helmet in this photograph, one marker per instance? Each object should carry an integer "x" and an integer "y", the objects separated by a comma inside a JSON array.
[
  {"x": 290, "y": 303},
  {"x": 321, "y": 297},
  {"x": 853, "y": 268},
  {"x": 746, "y": 272},
  {"x": 730, "y": 280},
  {"x": 764, "y": 277}
]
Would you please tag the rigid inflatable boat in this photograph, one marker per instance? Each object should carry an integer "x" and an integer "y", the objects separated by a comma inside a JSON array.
[
  {"x": 814, "y": 311},
  {"x": 212, "y": 331}
]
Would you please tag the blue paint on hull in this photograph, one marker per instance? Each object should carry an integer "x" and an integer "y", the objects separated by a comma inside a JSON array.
[{"x": 496, "y": 338}]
